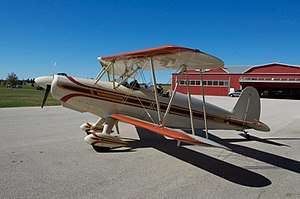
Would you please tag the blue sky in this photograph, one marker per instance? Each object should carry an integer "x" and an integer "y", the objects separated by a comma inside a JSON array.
[{"x": 35, "y": 34}]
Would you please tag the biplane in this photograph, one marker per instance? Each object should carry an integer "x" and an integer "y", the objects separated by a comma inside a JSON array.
[{"x": 164, "y": 113}]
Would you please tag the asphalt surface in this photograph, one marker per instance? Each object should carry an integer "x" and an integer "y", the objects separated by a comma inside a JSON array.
[{"x": 43, "y": 155}]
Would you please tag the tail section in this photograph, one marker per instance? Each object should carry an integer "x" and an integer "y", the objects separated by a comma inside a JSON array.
[{"x": 247, "y": 109}]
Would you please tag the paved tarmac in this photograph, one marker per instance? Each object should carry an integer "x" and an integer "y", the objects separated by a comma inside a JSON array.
[{"x": 43, "y": 155}]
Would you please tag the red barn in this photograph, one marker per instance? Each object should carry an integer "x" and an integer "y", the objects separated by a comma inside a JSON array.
[{"x": 271, "y": 80}]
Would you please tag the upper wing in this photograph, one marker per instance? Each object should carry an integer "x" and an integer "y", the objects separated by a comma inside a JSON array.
[
  {"x": 164, "y": 58},
  {"x": 184, "y": 137}
]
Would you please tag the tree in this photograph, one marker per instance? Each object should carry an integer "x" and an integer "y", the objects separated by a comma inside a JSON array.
[{"x": 12, "y": 79}]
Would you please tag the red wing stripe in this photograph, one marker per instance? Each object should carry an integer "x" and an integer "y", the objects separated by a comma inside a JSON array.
[
  {"x": 148, "y": 52},
  {"x": 157, "y": 129}
]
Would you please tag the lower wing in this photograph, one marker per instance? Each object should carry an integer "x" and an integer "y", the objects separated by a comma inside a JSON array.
[{"x": 172, "y": 133}]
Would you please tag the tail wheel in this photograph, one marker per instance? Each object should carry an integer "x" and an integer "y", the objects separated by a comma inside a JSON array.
[{"x": 248, "y": 136}]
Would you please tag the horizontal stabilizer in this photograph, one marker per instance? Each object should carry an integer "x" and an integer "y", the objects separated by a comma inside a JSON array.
[{"x": 172, "y": 133}]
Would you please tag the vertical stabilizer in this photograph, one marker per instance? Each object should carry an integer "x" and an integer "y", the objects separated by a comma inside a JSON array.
[{"x": 247, "y": 107}]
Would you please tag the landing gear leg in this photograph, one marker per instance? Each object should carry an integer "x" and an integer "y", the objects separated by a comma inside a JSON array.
[
  {"x": 108, "y": 125},
  {"x": 98, "y": 135},
  {"x": 107, "y": 129}
]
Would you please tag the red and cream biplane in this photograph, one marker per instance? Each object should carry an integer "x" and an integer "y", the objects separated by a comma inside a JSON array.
[{"x": 163, "y": 113}]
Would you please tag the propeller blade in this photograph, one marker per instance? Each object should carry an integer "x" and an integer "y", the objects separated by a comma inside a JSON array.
[
  {"x": 48, "y": 88},
  {"x": 53, "y": 69}
]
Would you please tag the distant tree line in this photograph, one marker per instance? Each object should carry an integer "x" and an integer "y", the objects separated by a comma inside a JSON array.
[{"x": 12, "y": 81}]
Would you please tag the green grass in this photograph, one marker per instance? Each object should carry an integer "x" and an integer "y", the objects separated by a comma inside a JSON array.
[{"x": 26, "y": 96}]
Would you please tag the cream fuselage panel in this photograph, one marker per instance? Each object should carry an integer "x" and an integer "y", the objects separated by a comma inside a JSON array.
[{"x": 103, "y": 100}]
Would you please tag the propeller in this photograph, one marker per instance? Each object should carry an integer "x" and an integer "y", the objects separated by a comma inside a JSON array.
[
  {"x": 53, "y": 69},
  {"x": 48, "y": 88},
  {"x": 45, "y": 82}
]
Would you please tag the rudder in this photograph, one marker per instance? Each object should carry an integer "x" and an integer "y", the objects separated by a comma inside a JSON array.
[{"x": 247, "y": 107}]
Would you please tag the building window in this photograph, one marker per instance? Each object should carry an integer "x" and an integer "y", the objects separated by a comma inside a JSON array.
[{"x": 222, "y": 83}]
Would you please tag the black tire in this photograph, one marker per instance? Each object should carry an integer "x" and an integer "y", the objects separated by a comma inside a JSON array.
[
  {"x": 230, "y": 95},
  {"x": 248, "y": 137},
  {"x": 100, "y": 149}
]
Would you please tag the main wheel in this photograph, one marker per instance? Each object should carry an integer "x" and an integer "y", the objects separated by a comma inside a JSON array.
[{"x": 100, "y": 149}]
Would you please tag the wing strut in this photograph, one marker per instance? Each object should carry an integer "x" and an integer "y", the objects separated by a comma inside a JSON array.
[
  {"x": 102, "y": 72},
  {"x": 131, "y": 74},
  {"x": 203, "y": 104},
  {"x": 190, "y": 101},
  {"x": 155, "y": 91},
  {"x": 173, "y": 95},
  {"x": 113, "y": 76}
]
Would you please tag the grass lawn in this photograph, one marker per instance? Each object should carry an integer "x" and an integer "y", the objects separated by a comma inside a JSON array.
[
  {"x": 26, "y": 96},
  {"x": 29, "y": 96}
]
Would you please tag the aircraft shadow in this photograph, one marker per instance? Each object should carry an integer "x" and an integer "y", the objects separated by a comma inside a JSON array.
[
  {"x": 275, "y": 160},
  {"x": 215, "y": 166},
  {"x": 257, "y": 139},
  {"x": 201, "y": 133}
]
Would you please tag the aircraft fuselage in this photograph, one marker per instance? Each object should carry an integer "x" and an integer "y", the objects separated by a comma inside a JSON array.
[{"x": 103, "y": 100}]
